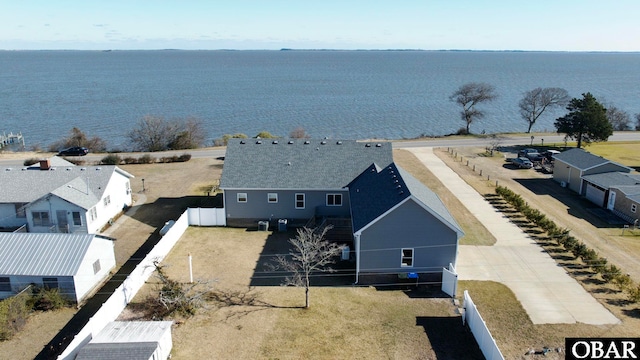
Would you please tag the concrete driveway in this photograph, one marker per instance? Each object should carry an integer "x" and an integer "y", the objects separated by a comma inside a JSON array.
[{"x": 547, "y": 293}]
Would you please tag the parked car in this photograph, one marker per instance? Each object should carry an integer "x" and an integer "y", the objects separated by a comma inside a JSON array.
[
  {"x": 74, "y": 151},
  {"x": 521, "y": 162},
  {"x": 549, "y": 154}
]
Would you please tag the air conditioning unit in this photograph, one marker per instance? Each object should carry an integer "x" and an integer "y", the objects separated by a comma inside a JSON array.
[{"x": 563, "y": 184}]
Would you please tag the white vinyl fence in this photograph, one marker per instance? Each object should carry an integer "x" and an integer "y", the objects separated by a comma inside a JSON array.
[
  {"x": 449, "y": 280},
  {"x": 207, "y": 217},
  {"x": 479, "y": 330},
  {"x": 128, "y": 289}
]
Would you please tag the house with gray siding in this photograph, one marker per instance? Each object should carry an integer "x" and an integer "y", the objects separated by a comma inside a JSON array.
[
  {"x": 397, "y": 225},
  {"x": 295, "y": 179},
  {"x": 598, "y": 186},
  {"x": 400, "y": 226},
  {"x": 572, "y": 165},
  {"x": 73, "y": 263},
  {"x": 624, "y": 201},
  {"x": 57, "y": 196}
]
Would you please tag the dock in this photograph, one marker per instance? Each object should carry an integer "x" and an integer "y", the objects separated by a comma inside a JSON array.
[{"x": 11, "y": 141}]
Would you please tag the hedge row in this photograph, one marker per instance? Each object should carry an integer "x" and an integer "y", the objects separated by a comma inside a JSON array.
[
  {"x": 609, "y": 273},
  {"x": 113, "y": 159}
]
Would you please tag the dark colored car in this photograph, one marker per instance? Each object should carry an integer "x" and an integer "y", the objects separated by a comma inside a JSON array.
[
  {"x": 74, "y": 151},
  {"x": 521, "y": 162}
]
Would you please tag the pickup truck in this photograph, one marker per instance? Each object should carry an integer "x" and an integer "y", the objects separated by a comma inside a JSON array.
[{"x": 521, "y": 162}]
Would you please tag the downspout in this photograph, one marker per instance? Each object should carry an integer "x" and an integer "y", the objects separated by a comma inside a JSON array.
[{"x": 356, "y": 240}]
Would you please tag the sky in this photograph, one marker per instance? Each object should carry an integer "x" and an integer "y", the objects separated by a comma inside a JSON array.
[{"x": 547, "y": 25}]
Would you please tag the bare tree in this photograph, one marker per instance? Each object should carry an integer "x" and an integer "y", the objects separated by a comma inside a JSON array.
[
  {"x": 619, "y": 119},
  {"x": 78, "y": 138},
  {"x": 299, "y": 133},
  {"x": 310, "y": 253},
  {"x": 191, "y": 135},
  {"x": 468, "y": 96},
  {"x": 536, "y": 101},
  {"x": 638, "y": 122},
  {"x": 152, "y": 134}
]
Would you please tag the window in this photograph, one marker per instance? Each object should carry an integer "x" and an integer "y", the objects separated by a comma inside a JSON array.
[
  {"x": 633, "y": 208},
  {"x": 407, "y": 258},
  {"x": 20, "y": 213},
  {"x": 77, "y": 220},
  {"x": 242, "y": 197},
  {"x": 5, "y": 284},
  {"x": 299, "y": 201},
  {"x": 50, "y": 283},
  {"x": 96, "y": 267},
  {"x": 107, "y": 200},
  {"x": 334, "y": 199},
  {"x": 40, "y": 218},
  {"x": 93, "y": 214},
  {"x": 272, "y": 198}
]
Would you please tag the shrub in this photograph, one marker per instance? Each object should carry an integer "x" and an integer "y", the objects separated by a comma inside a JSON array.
[
  {"x": 31, "y": 161},
  {"x": 634, "y": 293},
  {"x": 48, "y": 299},
  {"x": 184, "y": 157},
  {"x": 111, "y": 159},
  {"x": 265, "y": 135},
  {"x": 13, "y": 315},
  {"x": 146, "y": 159},
  {"x": 130, "y": 160},
  {"x": 610, "y": 273}
]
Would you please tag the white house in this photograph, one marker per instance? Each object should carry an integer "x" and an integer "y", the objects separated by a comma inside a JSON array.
[
  {"x": 57, "y": 196},
  {"x": 73, "y": 263},
  {"x": 131, "y": 340}
]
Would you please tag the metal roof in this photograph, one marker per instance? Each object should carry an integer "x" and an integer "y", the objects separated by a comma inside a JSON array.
[
  {"x": 132, "y": 331},
  {"x": 299, "y": 163},
  {"x": 583, "y": 160},
  {"x": 83, "y": 186},
  {"x": 43, "y": 254},
  {"x": 377, "y": 190}
]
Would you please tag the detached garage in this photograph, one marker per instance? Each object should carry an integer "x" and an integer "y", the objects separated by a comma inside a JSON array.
[{"x": 73, "y": 263}]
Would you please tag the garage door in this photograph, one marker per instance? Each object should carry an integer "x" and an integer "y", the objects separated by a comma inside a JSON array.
[{"x": 595, "y": 195}]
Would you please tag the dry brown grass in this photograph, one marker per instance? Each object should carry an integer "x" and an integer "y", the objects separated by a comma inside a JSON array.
[{"x": 342, "y": 322}]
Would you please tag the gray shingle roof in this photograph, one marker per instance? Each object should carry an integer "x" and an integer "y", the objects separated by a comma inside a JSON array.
[
  {"x": 83, "y": 186},
  {"x": 298, "y": 163},
  {"x": 583, "y": 160},
  {"x": 42, "y": 254},
  {"x": 610, "y": 179},
  {"x": 377, "y": 190},
  {"x": 117, "y": 351}
]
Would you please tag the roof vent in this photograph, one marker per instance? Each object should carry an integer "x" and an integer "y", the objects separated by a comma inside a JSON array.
[
  {"x": 98, "y": 169},
  {"x": 290, "y": 142},
  {"x": 398, "y": 186},
  {"x": 400, "y": 192},
  {"x": 307, "y": 142},
  {"x": 68, "y": 169},
  {"x": 323, "y": 142},
  {"x": 258, "y": 141},
  {"x": 274, "y": 142},
  {"x": 378, "y": 145},
  {"x": 367, "y": 145},
  {"x": 242, "y": 142},
  {"x": 289, "y": 163},
  {"x": 7, "y": 169},
  {"x": 83, "y": 169},
  {"x": 339, "y": 143}
]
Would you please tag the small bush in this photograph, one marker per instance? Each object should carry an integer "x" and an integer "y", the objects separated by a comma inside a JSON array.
[
  {"x": 184, "y": 157},
  {"x": 111, "y": 159},
  {"x": 146, "y": 159},
  {"x": 31, "y": 161},
  {"x": 13, "y": 315},
  {"x": 130, "y": 160},
  {"x": 49, "y": 299}
]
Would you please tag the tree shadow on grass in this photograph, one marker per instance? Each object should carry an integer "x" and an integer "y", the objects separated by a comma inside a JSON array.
[{"x": 449, "y": 338}]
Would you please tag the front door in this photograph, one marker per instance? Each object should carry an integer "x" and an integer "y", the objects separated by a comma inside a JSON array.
[
  {"x": 612, "y": 200},
  {"x": 63, "y": 222}
]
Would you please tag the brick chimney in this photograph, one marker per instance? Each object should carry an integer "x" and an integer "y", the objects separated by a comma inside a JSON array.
[{"x": 45, "y": 164}]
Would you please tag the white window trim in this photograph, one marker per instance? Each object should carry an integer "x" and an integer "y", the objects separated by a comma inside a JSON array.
[
  {"x": 304, "y": 201},
  {"x": 402, "y": 257},
  {"x": 93, "y": 214},
  {"x": 275, "y": 195},
  {"x": 107, "y": 200},
  {"x": 242, "y": 195},
  {"x": 334, "y": 199}
]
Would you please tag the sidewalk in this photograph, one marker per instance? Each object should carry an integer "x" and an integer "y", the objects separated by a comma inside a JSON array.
[{"x": 547, "y": 293}]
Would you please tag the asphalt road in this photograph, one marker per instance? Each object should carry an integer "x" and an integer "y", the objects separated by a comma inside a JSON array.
[{"x": 502, "y": 140}]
